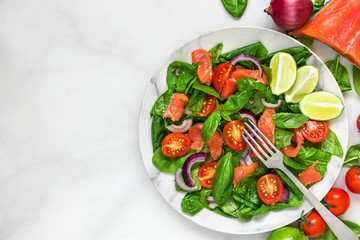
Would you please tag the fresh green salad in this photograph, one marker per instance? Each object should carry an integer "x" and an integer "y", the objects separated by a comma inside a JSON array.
[{"x": 197, "y": 127}]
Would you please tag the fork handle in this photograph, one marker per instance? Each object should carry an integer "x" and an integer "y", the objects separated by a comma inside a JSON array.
[{"x": 341, "y": 231}]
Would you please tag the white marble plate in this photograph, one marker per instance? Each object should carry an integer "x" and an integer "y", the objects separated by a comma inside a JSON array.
[{"x": 233, "y": 38}]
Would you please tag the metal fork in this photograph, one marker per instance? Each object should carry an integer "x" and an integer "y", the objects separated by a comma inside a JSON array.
[{"x": 273, "y": 158}]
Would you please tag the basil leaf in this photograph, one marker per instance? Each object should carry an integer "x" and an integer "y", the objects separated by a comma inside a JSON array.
[
  {"x": 216, "y": 52},
  {"x": 236, "y": 102},
  {"x": 161, "y": 103},
  {"x": 235, "y": 7},
  {"x": 223, "y": 179},
  {"x": 289, "y": 120},
  {"x": 282, "y": 138},
  {"x": 191, "y": 203},
  {"x": 167, "y": 164},
  {"x": 340, "y": 73},
  {"x": 206, "y": 89},
  {"x": 210, "y": 125},
  {"x": 318, "y": 4},
  {"x": 158, "y": 131},
  {"x": 356, "y": 79},
  {"x": 179, "y": 74},
  {"x": 352, "y": 156}
]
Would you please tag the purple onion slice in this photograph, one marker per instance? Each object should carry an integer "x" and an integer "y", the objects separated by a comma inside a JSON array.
[
  {"x": 250, "y": 58},
  {"x": 183, "y": 128},
  {"x": 180, "y": 183},
  {"x": 194, "y": 158},
  {"x": 286, "y": 195},
  {"x": 249, "y": 115},
  {"x": 271, "y": 105}
]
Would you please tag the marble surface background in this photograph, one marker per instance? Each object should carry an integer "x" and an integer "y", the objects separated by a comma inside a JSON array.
[{"x": 73, "y": 74}]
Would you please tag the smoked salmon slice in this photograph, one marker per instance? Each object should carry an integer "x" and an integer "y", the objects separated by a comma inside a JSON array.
[
  {"x": 241, "y": 172},
  {"x": 241, "y": 73},
  {"x": 337, "y": 24},
  {"x": 298, "y": 138},
  {"x": 310, "y": 175},
  {"x": 215, "y": 145},
  {"x": 204, "y": 70},
  {"x": 175, "y": 108}
]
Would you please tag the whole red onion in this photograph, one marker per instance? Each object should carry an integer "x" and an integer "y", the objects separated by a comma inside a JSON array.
[{"x": 290, "y": 14}]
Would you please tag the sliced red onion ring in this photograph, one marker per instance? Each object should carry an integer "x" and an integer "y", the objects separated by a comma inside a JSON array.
[
  {"x": 248, "y": 160},
  {"x": 211, "y": 202},
  {"x": 242, "y": 160},
  {"x": 271, "y": 105},
  {"x": 180, "y": 183},
  {"x": 249, "y": 115},
  {"x": 194, "y": 158},
  {"x": 212, "y": 205},
  {"x": 183, "y": 128},
  {"x": 286, "y": 195},
  {"x": 250, "y": 58}
]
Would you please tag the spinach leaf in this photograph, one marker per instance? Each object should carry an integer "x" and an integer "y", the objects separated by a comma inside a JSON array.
[
  {"x": 298, "y": 53},
  {"x": 330, "y": 145},
  {"x": 216, "y": 52},
  {"x": 179, "y": 74},
  {"x": 254, "y": 104},
  {"x": 256, "y": 49},
  {"x": 296, "y": 164},
  {"x": 307, "y": 41},
  {"x": 236, "y": 102},
  {"x": 206, "y": 89},
  {"x": 292, "y": 187},
  {"x": 356, "y": 79},
  {"x": 309, "y": 155},
  {"x": 158, "y": 131},
  {"x": 247, "y": 190},
  {"x": 235, "y": 7},
  {"x": 204, "y": 194},
  {"x": 247, "y": 83},
  {"x": 318, "y": 4},
  {"x": 232, "y": 207},
  {"x": 352, "y": 156},
  {"x": 340, "y": 73},
  {"x": 161, "y": 103},
  {"x": 282, "y": 138},
  {"x": 191, "y": 203},
  {"x": 210, "y": 125},
  {"x": 289, "y": 120},
  {"x": 166, "y": 164},
  {"x": 223, "y": 179},
  {"x": 196, "y": 100}
]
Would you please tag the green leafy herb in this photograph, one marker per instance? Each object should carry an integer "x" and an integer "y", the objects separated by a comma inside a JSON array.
[
  {"x": 356, "y": 79},
  {"x": 256, "y": 49},
  {"x": 289, "y": 120},
  {"x": 216, "y": 52},
  {"x": 352, "y": 156},
  {"x": 307, "y": 41},
  {"x": 298, "y": 53},
  {"x": 223, "y": 179},
  {"x": 236, "y": 102},
  {"x": 191, "y": 203},
  {"x": 210, "y": 126},
  {"x": 158, "y": 131},
  {"x": 330, "y": 145},
  {"x": 282, "y": 138},
  {"x": 167, "y": 164},
  {"x": 318, "y": 4},
  {"x": 179, "y": 74},
  {"x": 340, "y": 73},
  {"x": 196, "y": 100},
  {"x": 206, "y": 89},
  {"x": 293, "y": 188},
  {"x": 161, "y": 103},
  {"x": 235, "y": 7}
]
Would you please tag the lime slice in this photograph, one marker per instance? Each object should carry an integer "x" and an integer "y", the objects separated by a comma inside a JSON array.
[
  {"x": 283, "y": 72},
  {"x": 321, "y": 106},
  {"x": 307, "y": 78}
]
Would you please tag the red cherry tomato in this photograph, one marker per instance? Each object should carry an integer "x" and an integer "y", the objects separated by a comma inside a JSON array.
[
  {"x": 315, "y": 131},
  {"x": 208, "y": 105},
  {"x": 319, "y": 225},
  {"x": 206, "y": 174},
  {"x": 221, "y": 73},
  {"x": 338, "y": 198},
  {"x": 232, "y": 134},
  {"x": 270, "y": 189},
  {"x": 358, "y": 122},
  {"x": 175, "y": 145},
  {"x": 352, "y": 180}
]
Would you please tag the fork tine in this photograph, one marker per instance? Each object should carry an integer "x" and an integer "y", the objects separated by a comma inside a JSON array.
[
  {"x": 261, "y": 134},
  {"x": 258, "y": 147},
  {"x": 260, "y": 139},
  {"x": 254, "y": 150}
]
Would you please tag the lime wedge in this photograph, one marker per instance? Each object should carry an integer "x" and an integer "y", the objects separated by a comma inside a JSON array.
[
  {"x": 307, "y": 78},
  {"x": 321, "y": 106},
  {"x": 283, "y": 72}
]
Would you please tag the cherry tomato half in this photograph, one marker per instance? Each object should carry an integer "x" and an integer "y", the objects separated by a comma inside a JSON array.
[
  {"x": 319, "y": 225},
  {"x": 232, "y": 134},
  {"x": 270, "y": 189},
  {"x": 221, "y": 73},
  {"x": 208, "y": 105},
  {"x": 315, "y": 131},
  {"x": 358, "y": 122},
  {"x": 352, "y": 180},
  {"x": 338, "y": 198},
  {"x": 175, "y": 145},
  {"x": 206, "y": 174}
]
